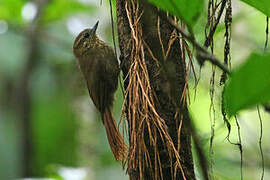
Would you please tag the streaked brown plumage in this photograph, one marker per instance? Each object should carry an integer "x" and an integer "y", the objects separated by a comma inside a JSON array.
[{"x": 100, "y": 68}]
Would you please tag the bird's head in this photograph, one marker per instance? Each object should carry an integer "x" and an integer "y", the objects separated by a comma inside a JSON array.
[{"x": 85, "y": 40}]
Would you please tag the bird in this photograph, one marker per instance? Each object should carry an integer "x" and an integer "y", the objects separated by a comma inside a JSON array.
[{"x": 99, "y": 66}]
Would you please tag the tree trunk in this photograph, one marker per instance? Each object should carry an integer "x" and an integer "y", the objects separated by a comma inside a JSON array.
[
  {"x": 23, "y": 93},
  {"x": 157, "y": 114}
]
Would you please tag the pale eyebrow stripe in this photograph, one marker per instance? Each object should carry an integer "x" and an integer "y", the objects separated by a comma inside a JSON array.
[
  {"x": 81, "y": 37},
  {"x": 78, "y": 41}
]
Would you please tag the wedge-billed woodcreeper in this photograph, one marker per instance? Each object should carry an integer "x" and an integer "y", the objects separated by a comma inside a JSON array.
[{"x": 100, "y": 69}]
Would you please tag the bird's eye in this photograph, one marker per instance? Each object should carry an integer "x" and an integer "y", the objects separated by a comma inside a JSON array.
[{"x": 86, "y": 35}]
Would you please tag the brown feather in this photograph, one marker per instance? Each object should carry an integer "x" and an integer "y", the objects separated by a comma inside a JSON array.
[{"x": 116, "y": 140}]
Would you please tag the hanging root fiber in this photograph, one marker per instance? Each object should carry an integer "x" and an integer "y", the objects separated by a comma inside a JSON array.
[{"x": 147, "y": 130}]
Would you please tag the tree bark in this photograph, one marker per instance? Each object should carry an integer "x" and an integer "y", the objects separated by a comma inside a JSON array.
[{"x": 167, "y": 80}]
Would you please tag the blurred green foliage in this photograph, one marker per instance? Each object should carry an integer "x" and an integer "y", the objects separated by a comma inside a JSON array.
[
  {"x": 59, "y": 9},
  {"x": 188, "y": 10},
  {"x": 54, "y": 130},
  {"x": 9, "y": 146},
  {"x": 10, "y": 10}
]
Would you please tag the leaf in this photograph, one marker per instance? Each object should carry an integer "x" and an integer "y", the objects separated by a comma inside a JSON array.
[
  {"x": 188, "y": 10},
  {"x": 249, "y": 85},
  {"x": 261, "y": 5},
  {"x": 58, "y": 9},
  {"x": 10, "y": 10}
]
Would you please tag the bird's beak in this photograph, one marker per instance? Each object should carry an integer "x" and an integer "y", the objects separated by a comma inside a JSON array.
[{"x": 95, "y": 27}]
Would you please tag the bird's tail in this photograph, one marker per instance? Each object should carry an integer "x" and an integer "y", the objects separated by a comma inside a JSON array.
[{"x": 116, "y": 140}]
